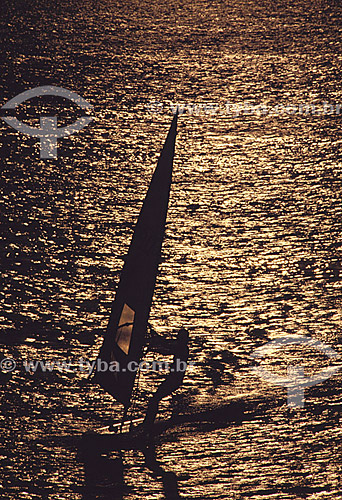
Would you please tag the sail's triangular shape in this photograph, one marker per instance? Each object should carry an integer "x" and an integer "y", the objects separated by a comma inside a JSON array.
[{"x": 125, "y": 335}]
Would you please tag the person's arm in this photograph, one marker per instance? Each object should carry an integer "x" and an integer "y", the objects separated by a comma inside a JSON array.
[{"x": 160, "y": 344}]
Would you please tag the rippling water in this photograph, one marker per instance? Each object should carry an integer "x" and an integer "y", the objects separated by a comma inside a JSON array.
[{"x": 252, "y": 249}]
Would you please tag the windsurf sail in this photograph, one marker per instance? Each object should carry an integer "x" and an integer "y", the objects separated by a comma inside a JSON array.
[{"x": 126, "y": 332}]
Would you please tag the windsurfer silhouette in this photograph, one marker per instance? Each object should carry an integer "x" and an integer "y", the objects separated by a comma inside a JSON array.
[{"x": 179, "y": 348}]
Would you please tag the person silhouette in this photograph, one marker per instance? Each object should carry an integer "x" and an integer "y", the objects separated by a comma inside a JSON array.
[{"x": 179, "y": 348}]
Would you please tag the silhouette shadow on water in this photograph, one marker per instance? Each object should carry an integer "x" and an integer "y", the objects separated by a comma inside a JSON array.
[
  {"x": 104, "y": 475},
  {"x": 169, "y": 479},
  {"x": 104, "y": 478}
]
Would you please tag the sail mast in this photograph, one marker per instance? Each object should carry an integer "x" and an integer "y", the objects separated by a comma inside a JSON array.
[{"x": 126, "y": 331}]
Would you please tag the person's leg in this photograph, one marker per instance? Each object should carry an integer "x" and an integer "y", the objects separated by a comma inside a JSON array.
[
  {"x": 152, "y": 411},
  {"x": 165, "y": 388}
]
